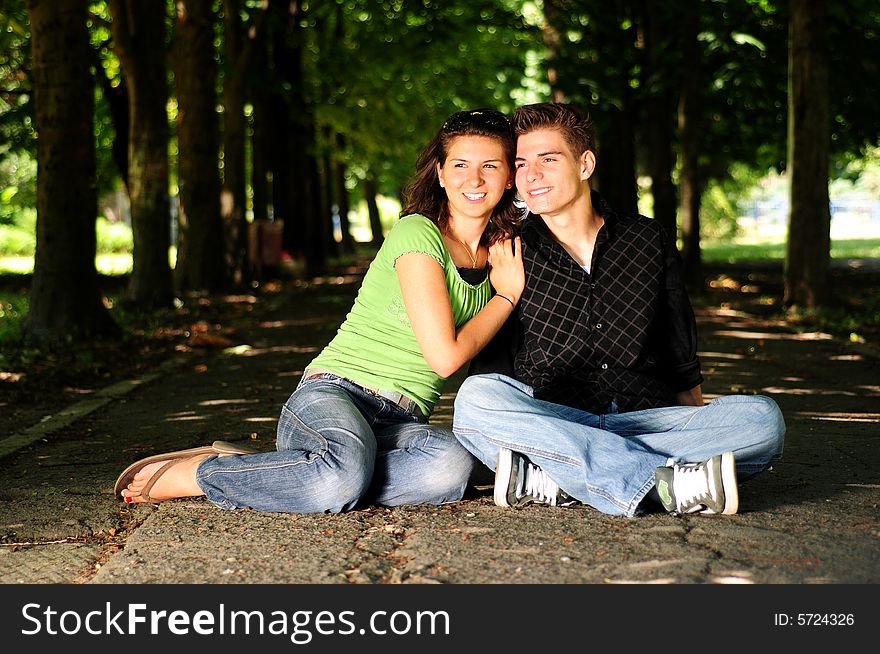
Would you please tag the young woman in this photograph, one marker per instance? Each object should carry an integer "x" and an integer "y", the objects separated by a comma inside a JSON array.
[{"x": 355, "y": 430}]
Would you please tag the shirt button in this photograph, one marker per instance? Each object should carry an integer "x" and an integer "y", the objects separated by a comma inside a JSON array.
[
  {"x": 598, "y": 325},
  {"x": 604, "y": 366}
]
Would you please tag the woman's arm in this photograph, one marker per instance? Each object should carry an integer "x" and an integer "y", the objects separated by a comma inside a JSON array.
[{"x": 428, "y": 308}]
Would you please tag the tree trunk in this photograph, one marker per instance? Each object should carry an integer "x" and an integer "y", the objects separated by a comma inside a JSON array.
[
  {"x": 659, "y": 114},
  {"x": 200, "y": 262},
  {"x": 308, "y": 232},
  {"x": 139, "y": 38},
  {"x": 261, "y": 129},
  {"x": 339, "y": 175},
  {"x": 616, "y": 161},
  {"x": 690, "y": 181},
  {"x": 233, "y": 193},
  {"x": 808, "y": 254},
  {"x": 261, "y": 147},
  {"x": 368, "y": 186},
  {"x": 240, "y": 50},
  {"x": 616, "y": 123},
  {"x": 65, "y": 300},
  {"x": 552, "y": 40},
  {"x": 117, "y": 98},
  {"x": 328, "y": 204}
]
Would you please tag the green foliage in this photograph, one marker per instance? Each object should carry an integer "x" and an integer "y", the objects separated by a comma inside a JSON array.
[
  {"x": 388, "y": 73},
  {"x": 724, "y": 200},
  {"x": 15, "y": 241},
  {"x": 18, "y": 189},
  {"x": 13, "y": 309},
  {"x": 16, "y": 108},
  {"x": 113, "y": 238}
]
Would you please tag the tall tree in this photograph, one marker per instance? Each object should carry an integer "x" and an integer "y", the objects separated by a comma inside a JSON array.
[
  {"x": 65, "y": 299},
  {"x": 595, "y": 65},
  {"x": 369, "y": 189},
  {"x": 139, "y": 42},
  {"x": 240, "y": 48},
  {"x": 658, "y": 82},
  {"x": 341, "y": 194},
  {"x": 200, "y": 261},
  {"x": 809, "y": 226},
  {"x": 689, "y": 129}
]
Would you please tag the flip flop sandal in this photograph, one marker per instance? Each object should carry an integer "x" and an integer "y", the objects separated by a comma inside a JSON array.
[{"x": 217, "y": 447}]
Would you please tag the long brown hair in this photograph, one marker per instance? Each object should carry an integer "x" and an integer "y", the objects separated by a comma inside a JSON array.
[{"x": 424, "y": 194}]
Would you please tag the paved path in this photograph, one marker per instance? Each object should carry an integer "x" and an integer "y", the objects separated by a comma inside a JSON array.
[{"x": 813, "y": 519}]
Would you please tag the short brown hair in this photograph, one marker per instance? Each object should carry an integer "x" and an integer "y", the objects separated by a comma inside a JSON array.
[{"x": 574, "y": 123}]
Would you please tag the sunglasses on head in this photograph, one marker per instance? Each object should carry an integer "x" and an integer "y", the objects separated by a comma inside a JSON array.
[{"x": 486, "y": 118}]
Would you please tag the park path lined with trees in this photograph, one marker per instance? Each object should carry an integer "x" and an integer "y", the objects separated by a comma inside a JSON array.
[{"x": 294, "y": 108}]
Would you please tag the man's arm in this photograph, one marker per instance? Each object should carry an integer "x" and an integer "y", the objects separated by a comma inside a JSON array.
[
  {"x": 692, "y": 397},
  {"x": 682, "y": 363}
]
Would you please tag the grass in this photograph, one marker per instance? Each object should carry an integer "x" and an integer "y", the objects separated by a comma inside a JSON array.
[
  {"x": 773, "y": 249},
  {"x": 107, "y": 264}
]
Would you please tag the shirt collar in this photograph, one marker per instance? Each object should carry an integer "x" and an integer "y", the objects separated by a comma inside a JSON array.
[{"x": 534, "y": 223}]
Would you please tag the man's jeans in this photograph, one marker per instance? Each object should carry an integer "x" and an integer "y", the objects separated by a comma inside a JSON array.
[
  {"x": 608, "y": 461},
  {"x": 339, "y": 446}
]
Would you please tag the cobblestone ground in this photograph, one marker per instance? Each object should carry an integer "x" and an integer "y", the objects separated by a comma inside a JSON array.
[{"x": 813, "y": 519}]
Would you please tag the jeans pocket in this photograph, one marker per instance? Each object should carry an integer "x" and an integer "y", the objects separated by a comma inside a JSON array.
[{"x": 294, "y": 434}]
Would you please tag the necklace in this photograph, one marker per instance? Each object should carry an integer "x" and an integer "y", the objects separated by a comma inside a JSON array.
[{"x": 466, "y": 249}]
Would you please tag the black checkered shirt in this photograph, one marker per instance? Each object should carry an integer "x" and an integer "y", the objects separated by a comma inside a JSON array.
[{"x": 620, "y": 338}]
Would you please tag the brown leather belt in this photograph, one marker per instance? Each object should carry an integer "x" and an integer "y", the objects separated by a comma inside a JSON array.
[{"x": 394, "y": 397}]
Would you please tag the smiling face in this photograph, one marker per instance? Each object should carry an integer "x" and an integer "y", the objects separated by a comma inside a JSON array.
[
  {"x": 474, "y": 175},
  {"x": 549, "y": 177}
]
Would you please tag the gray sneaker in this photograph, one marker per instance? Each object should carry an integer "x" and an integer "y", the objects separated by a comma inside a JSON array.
[
  {"x": 705, "y": 487},
  {"x": 519, "y": 482}
]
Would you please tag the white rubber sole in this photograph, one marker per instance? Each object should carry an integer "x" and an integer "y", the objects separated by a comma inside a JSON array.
[
  {"x": 503, "y": 467},
  {"x": 728, "y": 482}
]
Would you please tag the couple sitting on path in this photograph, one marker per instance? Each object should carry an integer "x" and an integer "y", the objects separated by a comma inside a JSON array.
[{"x": 585, "y": 380}]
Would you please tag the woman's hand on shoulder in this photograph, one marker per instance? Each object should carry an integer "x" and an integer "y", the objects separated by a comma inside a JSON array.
[{"x": 506, "y": 268}]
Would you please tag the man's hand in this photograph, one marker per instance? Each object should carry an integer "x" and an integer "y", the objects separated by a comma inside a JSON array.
[{"x": 693, "y": 397}]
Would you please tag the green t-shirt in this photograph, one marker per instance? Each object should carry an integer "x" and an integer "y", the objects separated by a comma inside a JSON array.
[{"x": 376, "y": 346}]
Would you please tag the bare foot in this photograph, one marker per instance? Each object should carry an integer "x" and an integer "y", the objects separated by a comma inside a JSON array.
[{"x": 178, "y": 481}]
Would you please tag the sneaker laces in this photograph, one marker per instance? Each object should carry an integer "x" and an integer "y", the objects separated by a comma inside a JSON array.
[
  {"x": 690, "y": 486},
  {"x": 538, "y": 485}
]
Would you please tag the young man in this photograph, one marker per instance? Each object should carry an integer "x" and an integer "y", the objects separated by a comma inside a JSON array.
[{"x": 593, "y": 389}]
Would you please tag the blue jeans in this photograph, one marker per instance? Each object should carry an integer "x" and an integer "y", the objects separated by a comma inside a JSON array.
[
  {"x": 608, "y": 461},
  {"x": 339, "y": 446}
]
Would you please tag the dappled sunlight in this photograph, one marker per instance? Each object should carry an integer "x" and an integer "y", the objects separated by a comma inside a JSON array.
[
  {"x": 847, "y": 357},
  {"x": 336, "y": 281},
  {"x": 303, "y": 322},
  {"x": 275, "y": 349},
  {"x": 736, "y": 578},
  {"x": 722, "y": 355},
  {"x": 806, "y": 336},
  {"x": 839, "y": 416},
  {"x": 264, "y": 419},
  {"x": 239, "y": 299},
  {"x": 781, "y": 390},
  {"x": 11, "y": 377},
  {"x": 224, "y": 402},
  {"x": 186, "y": 418},
  {"x": 663, "y": 580}
]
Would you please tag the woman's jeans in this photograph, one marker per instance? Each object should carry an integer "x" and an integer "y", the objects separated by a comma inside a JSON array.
[
  {"x": 608, "y": 461},
  {"x": 340, "y": 446}
]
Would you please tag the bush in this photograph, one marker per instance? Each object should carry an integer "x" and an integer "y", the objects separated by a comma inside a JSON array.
[
  {"x": 16, "y": 242},
  {"x": 113, "y": 238}
]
